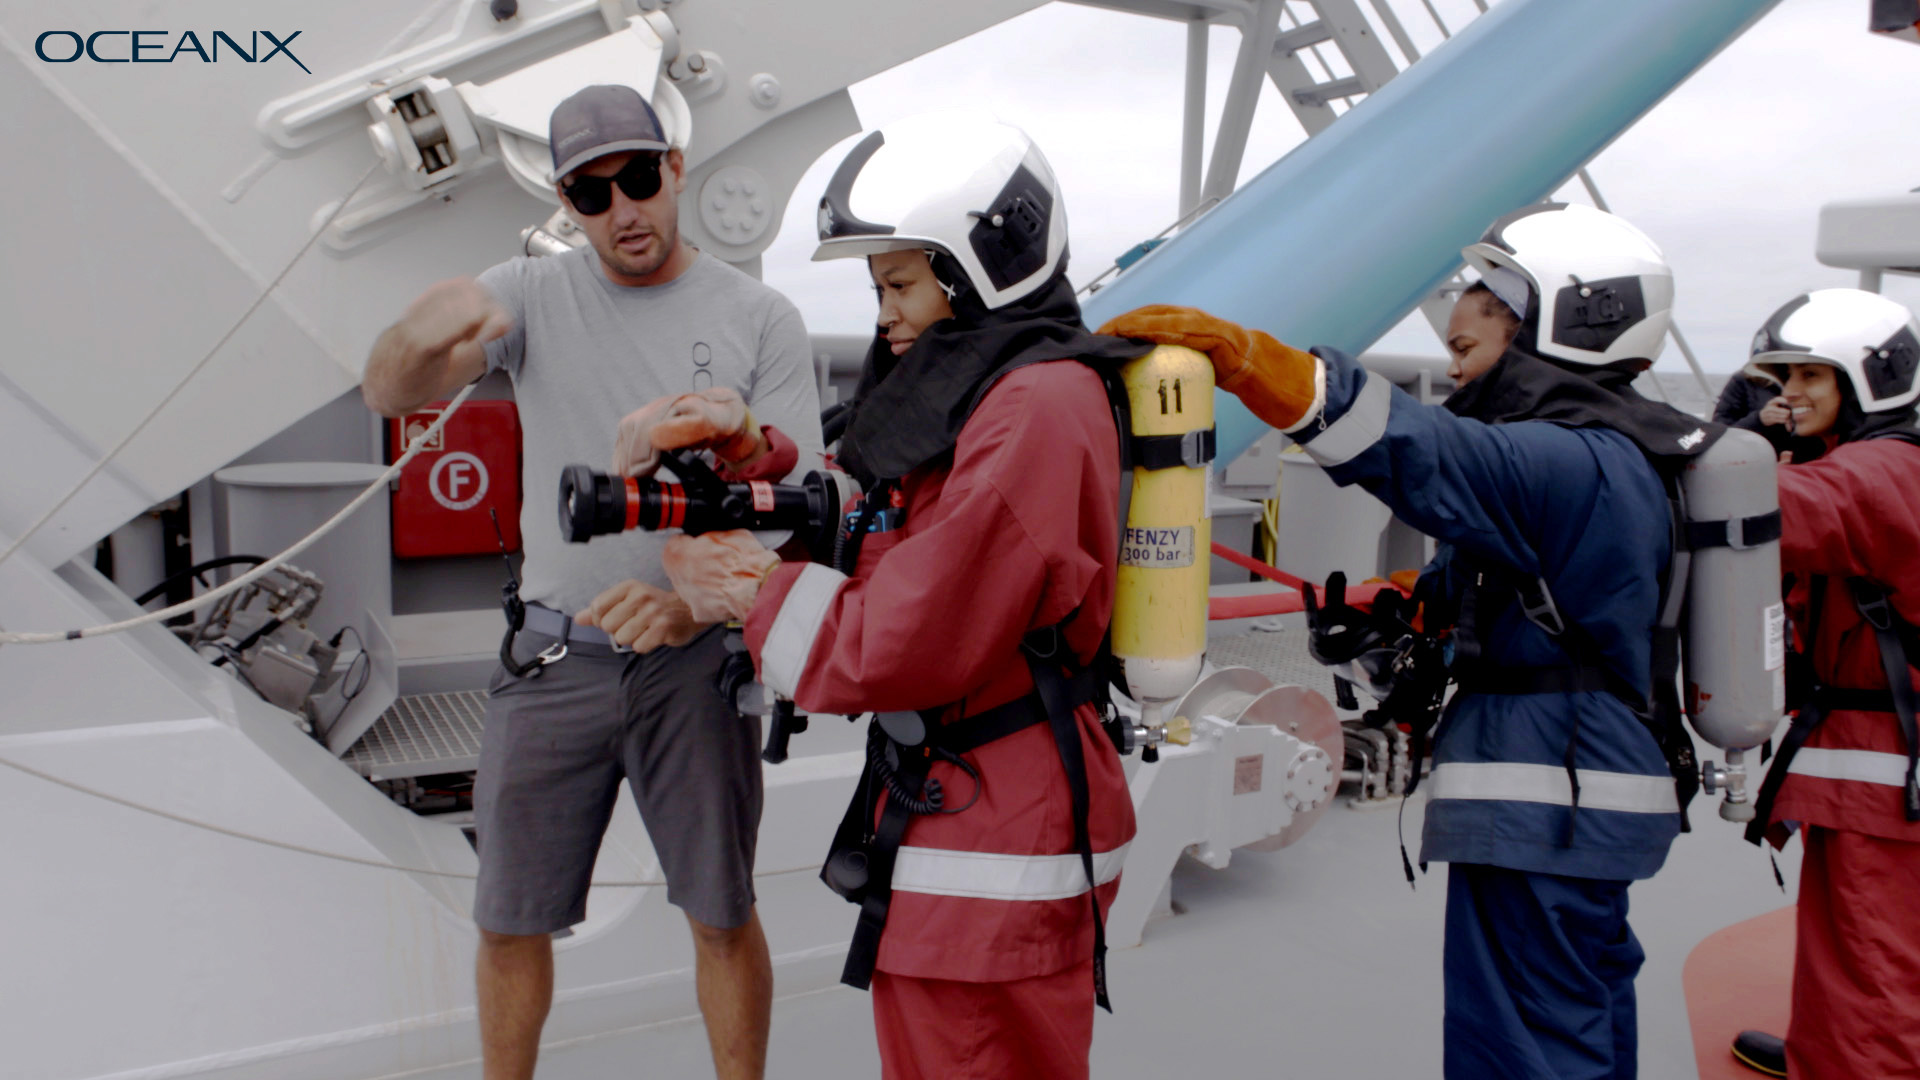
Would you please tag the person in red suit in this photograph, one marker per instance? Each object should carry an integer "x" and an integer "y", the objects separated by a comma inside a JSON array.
[
  {"x": 1845, "y": 775},
  {"x": 972, "y": 595}
]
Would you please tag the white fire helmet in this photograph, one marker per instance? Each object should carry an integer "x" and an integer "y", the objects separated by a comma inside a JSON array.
[
  {"x": 958, "y": 182},
  {"x": 1874, "y": 341},
  {"x": 1602, "y": 290}
]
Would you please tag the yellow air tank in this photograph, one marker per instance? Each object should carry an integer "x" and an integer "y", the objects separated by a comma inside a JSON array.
[{"x": 1160, "y": 607}]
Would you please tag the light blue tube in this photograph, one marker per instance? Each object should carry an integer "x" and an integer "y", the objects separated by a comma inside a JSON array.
[{"x": 1334, "y": 243}]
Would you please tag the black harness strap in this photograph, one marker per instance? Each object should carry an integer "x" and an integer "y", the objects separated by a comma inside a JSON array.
[
  {"x": 1055, "y": 688},
  {"x": 1662, "y": 713},
  {"x": 968, "y": 734},
  {"x": 1589, "y": 671},
  {"x": 1192, "y": 449},
  {"x": 1664, "y": 716},
  {"x": 1736, "y": 533},
  {"x": 1809, "y": 718},
  {"x": 1812, "y": 711},
  {"x": 1895, "y": 658},
  {"x": 1553, "y": 680},
  {"x": 873, "y": 850},
  {"x": 1899, "y": 650}
]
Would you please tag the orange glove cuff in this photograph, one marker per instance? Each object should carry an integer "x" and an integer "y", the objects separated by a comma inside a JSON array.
[{"x": 1276, "y": 381}]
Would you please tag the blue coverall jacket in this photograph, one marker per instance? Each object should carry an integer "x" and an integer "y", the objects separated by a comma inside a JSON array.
[{"x": 1581, "y": 508}]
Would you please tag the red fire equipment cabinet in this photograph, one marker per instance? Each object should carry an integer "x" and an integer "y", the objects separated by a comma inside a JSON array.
[{"x": 441, "y": 499}]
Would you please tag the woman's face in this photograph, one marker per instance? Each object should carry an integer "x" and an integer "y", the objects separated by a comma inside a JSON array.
[
  {"x": 911, "y": 298},
  {"x": 1478, "y": 333},
  {"x": 1813, "y": 395}
]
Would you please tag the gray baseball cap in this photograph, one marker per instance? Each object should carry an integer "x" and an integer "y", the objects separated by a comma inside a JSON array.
[{"x": 598, "y": 121}]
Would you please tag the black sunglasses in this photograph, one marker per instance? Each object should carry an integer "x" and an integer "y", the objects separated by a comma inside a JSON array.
[{"x": 638, "y": 178}]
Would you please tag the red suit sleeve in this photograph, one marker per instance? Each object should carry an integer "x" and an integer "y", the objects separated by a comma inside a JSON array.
[
  {"x": 1852, "y": 512},
  {"x": 1005, "y": 546},
  {"x": 1856, "y": 513},
  {"x": 782, "y": 457}
]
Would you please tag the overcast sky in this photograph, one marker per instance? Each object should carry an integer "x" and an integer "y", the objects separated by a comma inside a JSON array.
[{"x": 1727, "y": 175}]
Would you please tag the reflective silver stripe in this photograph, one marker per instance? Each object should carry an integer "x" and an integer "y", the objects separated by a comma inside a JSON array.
[
  {"x": 784, "y": 657},
  {"x": 1507, "y": 781},
  {"x": 1319, "y": 398},
  {"x": 1866, "y": 766},
  {"x": 986, "y": 876},
  {"x": 1362, "y": 425}
]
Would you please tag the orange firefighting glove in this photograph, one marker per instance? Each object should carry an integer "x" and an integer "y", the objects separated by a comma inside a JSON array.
[
  {"x": 715, "y": 419},
  {"x": 1276, "y": 381},
  {"x": 718, "y": 574},
  {"x": 633, "y": 451}
]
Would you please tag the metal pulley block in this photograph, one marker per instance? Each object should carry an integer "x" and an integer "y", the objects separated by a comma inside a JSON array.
[{"x": 424, "y": 133}]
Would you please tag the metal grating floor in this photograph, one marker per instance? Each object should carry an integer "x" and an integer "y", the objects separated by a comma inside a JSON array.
[
  {"x": 1280, "y": 655},
  {"x": 421, "y": 735},
  {"x": 425, "y": 734}
]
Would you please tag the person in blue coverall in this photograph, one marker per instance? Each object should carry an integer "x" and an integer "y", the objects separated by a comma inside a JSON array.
[{"x": 1553, "y": 785}]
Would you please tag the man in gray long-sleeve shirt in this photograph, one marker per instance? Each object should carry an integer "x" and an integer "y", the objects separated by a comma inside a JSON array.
[{"x": 586, "y": 337}]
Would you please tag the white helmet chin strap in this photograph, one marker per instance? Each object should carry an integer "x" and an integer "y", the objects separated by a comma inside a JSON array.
[{"x": 950, "y": 290}]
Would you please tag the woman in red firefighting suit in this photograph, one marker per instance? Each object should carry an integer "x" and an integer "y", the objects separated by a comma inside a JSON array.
[
  {"x": 986, "y": 550},
  {"x": 1845, "y": 776}
]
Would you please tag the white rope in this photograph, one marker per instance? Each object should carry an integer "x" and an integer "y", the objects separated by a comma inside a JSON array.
[
  {"x": 265, "y": 568},
  {"x": 108, "y": 457},
  {"x": 378, "y": 864}
]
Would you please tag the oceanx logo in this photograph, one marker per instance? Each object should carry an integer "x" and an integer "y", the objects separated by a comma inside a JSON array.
[{"x": 162, "y": 47}]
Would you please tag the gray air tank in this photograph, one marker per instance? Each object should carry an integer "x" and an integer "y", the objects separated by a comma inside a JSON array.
[{"x": 1736, "y": 641}]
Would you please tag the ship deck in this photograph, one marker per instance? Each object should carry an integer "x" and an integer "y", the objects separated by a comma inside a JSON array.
[{"x": 1314, "y": 961}]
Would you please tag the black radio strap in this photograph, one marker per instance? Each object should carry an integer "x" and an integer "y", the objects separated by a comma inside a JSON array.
[{"x": 864, "y": 951}]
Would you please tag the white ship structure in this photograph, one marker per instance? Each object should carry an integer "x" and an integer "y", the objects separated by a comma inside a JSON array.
[{"x": 260, "y": 867}]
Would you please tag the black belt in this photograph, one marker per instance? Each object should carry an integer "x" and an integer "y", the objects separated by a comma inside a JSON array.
[
  {"x": 1550, "y": 680},
  {"x": 572, "y": 638},
  {"x": 1482, "y": 678},
  {"x": 564, "y": 637},
  {"x": 970, "y": 733},
  {"x": 1845, "y": 699}
]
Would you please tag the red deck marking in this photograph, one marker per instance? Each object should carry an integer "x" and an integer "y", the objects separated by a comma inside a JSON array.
[{"x": 1738, "y": 979}]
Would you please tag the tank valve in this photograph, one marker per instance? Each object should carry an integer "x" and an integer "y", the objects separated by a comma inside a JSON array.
[
  {"x": 1731, "y": 777},
  {"x": 1147, "y": 736},
  {"x": 1178, "y": 731}
]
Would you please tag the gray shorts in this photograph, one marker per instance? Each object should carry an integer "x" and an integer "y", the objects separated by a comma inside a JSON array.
[{"x": 551, "y": 760}]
